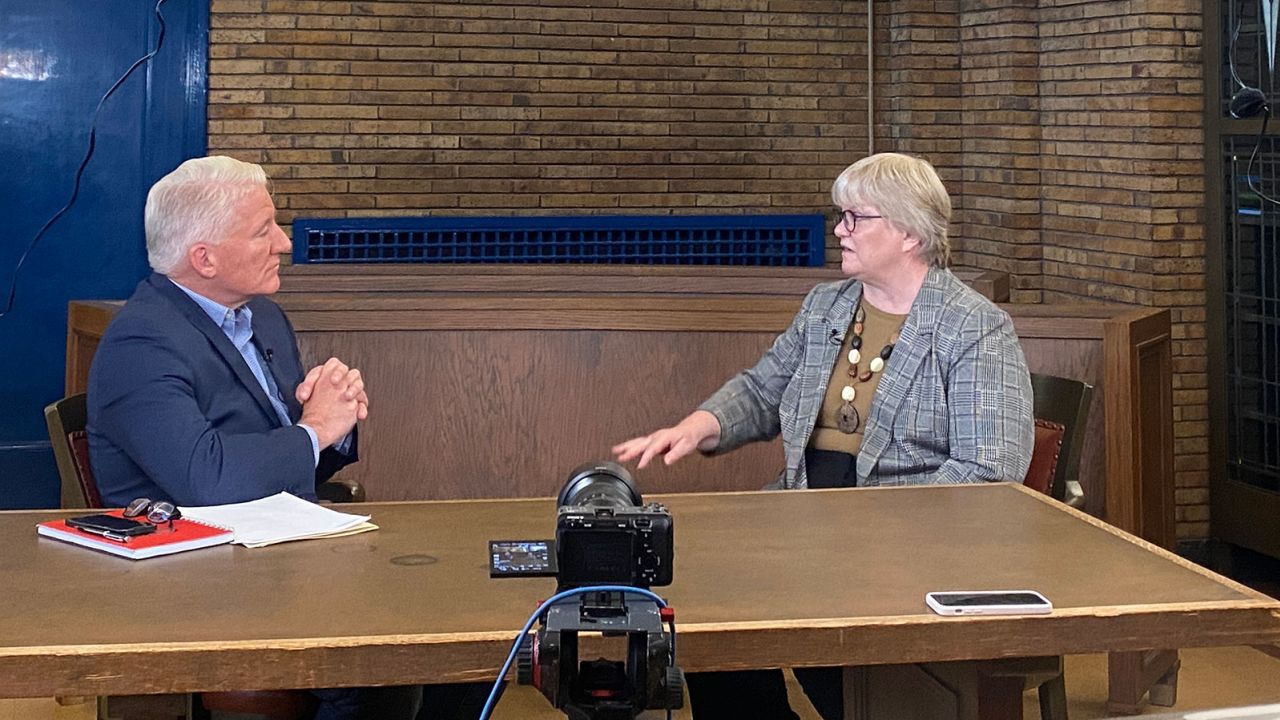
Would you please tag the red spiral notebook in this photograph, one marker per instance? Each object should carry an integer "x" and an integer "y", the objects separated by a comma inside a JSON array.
[{"x": 185, "y": 535}]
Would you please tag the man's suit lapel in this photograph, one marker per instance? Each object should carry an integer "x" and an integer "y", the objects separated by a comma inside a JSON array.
[
  {"x": 914, "y": 342},
  {"x": 218, "y": 339}
]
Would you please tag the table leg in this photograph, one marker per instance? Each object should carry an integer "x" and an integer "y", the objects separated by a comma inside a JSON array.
[
  {"x": 1271, "y": 650},
  {"x": 902, "y": 691},
  {"x": 1165, "y": 692},
  {"x": 1000, "y": 697},
  {"x": 971, "y": 690},
  {"x": 1053, "y": 698},
  {"x": 1132, "y": 675},
  {"x": 144, "y": 707}
]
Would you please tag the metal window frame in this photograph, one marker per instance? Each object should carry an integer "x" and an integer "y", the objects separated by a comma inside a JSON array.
[{"x": 1241, "y": 514}]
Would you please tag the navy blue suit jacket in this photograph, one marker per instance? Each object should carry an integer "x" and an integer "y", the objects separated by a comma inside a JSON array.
[{"x": 176, "y": 414}]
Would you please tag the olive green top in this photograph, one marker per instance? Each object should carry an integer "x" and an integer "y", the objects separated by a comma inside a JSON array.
[{"x": 877, "y": 329}]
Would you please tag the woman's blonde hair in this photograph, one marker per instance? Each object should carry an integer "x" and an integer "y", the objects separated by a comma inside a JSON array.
[{"x": 907, "y": 192}]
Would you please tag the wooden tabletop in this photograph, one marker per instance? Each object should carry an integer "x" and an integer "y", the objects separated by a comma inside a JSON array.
[{"x": 762, "y": 579}]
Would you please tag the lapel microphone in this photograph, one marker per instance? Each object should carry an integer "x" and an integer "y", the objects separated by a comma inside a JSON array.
[
  {"x": 1248, "y": 102},
  {"x": 836, "y": 337},
  {"x": 266, "y": 352}
]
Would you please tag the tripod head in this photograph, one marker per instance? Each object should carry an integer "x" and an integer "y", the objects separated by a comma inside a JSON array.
[{"x": 603, "y": 689}]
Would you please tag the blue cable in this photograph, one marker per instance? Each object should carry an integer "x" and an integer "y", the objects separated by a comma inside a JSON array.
[
  {"x": 75, "y": 186},
  {"x": 542, "y": 609}
]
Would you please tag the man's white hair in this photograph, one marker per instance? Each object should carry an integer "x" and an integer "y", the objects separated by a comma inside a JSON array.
[{"x": 194, "y": 204}]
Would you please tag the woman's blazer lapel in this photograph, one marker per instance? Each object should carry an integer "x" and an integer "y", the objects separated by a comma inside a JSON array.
[
  {"x": 819, "y": 357},
  {"x": 914, "y": 344}
]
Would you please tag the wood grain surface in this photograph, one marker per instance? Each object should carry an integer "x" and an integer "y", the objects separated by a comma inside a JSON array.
[
  {"x": 762, "y": 579},
  {"x": 470, "y": 414}
]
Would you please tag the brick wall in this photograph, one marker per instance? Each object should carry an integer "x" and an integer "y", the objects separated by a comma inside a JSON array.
[
  {"x": 1075, "y": 131},
  {"x": 1069, "y": 131},
  {"x": 917, "y": 79},
  {"x": 572, "y": 106},
  {"x": 1122, "y": 101},
  {"x": 1001, "y": 226}
]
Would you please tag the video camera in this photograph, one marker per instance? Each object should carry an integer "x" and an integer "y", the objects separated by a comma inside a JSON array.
[{"x": 605, "y": 536}]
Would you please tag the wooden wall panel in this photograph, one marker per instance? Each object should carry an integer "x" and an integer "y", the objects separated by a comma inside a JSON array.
[{"x": 509, "y": 414}]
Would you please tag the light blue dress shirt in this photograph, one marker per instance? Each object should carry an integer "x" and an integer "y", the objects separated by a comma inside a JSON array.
[{"x": 238, "y": 326}]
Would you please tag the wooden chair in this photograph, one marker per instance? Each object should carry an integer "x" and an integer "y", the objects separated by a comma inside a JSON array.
[
  {"x": 66, "y": 420},
  {"x": 1061, "y": 402},
  {"x": 1045, "y": 456},
  {"x": 1061, "y": 409}
]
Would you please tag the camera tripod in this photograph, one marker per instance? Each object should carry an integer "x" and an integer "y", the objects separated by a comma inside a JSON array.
[{"x": 603, "y": 689}]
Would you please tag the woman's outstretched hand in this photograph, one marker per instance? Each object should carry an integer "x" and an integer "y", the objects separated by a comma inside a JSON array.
[{"x": 699, "y": 431}]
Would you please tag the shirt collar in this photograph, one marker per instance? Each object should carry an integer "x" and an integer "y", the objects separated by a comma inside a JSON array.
[{"x": 220, "y": 314}]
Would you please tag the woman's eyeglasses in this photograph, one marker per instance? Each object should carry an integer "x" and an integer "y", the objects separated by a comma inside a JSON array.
[
  {"x": 157, "y": 512},
  {"x": 851, "y": 218}
]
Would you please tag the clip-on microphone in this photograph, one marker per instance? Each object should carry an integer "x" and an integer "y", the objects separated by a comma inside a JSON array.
[{"x": 1247, "y": 102}]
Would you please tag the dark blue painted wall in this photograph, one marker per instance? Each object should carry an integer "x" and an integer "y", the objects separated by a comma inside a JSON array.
[{"x": 57, "y": 58}]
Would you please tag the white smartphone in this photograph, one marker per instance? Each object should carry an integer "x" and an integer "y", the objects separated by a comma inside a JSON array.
[{"x": 988, "y": 602}]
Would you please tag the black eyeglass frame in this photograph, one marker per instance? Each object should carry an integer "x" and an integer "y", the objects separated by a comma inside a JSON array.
[{"x": 847, "y": 215}]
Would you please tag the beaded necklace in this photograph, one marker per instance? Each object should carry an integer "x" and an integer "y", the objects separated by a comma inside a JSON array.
[{"x": 847, "y": 418}]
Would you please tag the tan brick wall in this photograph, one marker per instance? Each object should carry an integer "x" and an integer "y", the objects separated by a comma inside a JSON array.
[
  {"x": 1075, "y": 130},
  {"x": 573, "y": 106},
  {"x": 1124, "y": 181},
  {"x": 1001, "y": 226},
  {"x": 917, "y": 85},
  {"x": 1069, "y": 131}
]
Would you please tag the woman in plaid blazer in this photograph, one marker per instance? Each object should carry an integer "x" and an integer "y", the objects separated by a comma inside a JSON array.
[
  {"x": 948, "y": 402},
  {"x": 953, "y": 404}
]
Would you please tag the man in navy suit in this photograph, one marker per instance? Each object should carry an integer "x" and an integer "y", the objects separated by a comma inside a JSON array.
[{"x": 197, "y": 393}]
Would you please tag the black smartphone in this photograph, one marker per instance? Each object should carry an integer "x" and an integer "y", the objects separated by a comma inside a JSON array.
[{"x": 110, "y": 526}]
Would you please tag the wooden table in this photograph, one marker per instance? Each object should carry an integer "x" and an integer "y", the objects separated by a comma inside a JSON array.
[{"x": 762, "y": 580}]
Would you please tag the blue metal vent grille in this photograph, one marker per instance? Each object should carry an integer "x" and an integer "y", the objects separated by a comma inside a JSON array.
[{"x": 785, "y": 240}]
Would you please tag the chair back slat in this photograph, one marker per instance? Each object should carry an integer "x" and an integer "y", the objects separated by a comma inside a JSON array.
[
  {"x": 1064, "y": 402},
  {"x": 66, "y": 420}
]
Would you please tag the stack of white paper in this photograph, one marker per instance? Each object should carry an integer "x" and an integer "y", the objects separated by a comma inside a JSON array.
[{"x": 279, "y": 518}]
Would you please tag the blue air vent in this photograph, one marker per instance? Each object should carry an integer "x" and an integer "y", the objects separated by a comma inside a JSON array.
[{"x": 787, "y": 240}]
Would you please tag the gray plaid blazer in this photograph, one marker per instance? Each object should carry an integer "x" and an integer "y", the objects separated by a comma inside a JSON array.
[{"x": 953, "y": 406}]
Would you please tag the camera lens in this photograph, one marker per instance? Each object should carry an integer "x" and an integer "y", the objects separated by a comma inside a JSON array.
[{"x": 600, "y": 484}]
